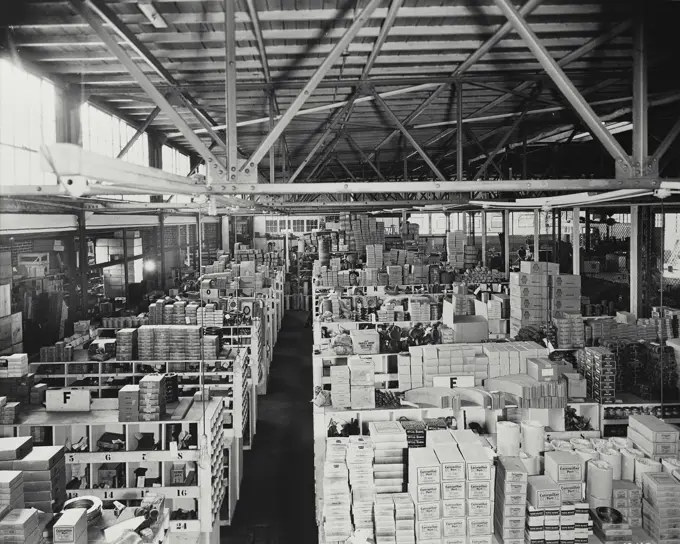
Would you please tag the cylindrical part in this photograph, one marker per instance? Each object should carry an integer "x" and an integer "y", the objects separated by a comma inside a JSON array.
[
  {"x": 644, "y": 465},
  {"x": 600, "y": 480},
  {"x": 628, "y": 457},
  {"x": 508, "y": 436},
  {"x": 613, "y": 457},
  {"x": 533, "y": 437},
  {"x": 325, "y": 251}
]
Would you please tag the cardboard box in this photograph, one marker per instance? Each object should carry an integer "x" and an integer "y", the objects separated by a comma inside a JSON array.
[
  {"x": 451, "y": 460},
  {"x": 539, "y": 267},
  {"x": 653, "y": 429},
  {"x": 563, "y": 466},
  {"x": 477, "y": 462},
  {"x": 470, "y": 328},
  {"x": 365, "y": 342},
  {"x": 543, "y": 492},
  {"x": 423, "y": 466},
  {"x": 523, "y": 278}
]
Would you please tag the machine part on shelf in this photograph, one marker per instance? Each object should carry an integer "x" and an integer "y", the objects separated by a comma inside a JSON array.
[{"x": 93, "y": 505}]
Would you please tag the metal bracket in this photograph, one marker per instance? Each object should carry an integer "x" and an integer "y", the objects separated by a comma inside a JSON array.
[
  {"x": 649, "y": 168},
  {"x": 237, "y": 175}
]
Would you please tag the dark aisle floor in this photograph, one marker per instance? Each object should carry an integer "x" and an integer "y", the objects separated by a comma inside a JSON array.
[{"x": 277, "y": 492}]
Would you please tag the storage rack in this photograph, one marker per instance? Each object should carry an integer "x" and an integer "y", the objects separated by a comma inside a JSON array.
[{"x": 204, "y": 457}]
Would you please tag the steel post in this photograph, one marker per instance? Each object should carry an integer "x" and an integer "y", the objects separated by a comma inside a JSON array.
[
  {"x": 460, "y": 173},
  {"x": 640, "y": 97},
  {"x": 161, "y": 252},
  {"x": 576, "y": 241},
  {"x": 230, "y": 87},
  {"x": 83, "y": 262}
]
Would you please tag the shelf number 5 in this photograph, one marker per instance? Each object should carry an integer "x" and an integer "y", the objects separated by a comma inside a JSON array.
[
  {"x": 71, "y": 459},
  {"x": 181, "y": 492}
]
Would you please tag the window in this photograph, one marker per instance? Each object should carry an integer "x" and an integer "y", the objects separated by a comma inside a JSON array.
[
  {"x": 106, "y": 134},
  {"x": 422, "y": 220},
  {"x": 27, "y": 121},
  {"x": 438, "y": 223},
  {"x": 284, "y": 224},
  {"x": 175, "y": 161},
  {"x": 271, "y": 226},
  {"x": 298, "y": 225},
  {"x": 312, "y": 224},
  {"x": 495, "y": 222}
]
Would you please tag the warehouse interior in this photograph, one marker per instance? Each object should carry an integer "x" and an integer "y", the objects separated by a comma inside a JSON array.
[{"x": 454, "y": 226}]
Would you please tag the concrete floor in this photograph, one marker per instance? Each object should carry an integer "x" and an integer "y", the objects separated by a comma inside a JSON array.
[{"x": 277, "y": 492}]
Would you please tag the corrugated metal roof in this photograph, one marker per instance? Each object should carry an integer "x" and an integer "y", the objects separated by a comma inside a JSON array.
[{"x": 429, "y": 39}]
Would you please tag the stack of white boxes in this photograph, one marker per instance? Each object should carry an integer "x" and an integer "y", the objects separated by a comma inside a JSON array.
[
  {"x": 396, "y": 275},
  {"x": 455, "y": 248},
  {"x": 390, "y": 446},
  {"x": 374, "y": 256},
  {"x": 654, "y": 437},
  {"x": 529, "y": 295},
  {"x": 461, "y": 304},
  {"x": 627, "y": 499},
  {"x": 480, "y": 477},
  {"x": 424, "y": 486},
  {"x": 111, "y": 249},
  {"x": 340, "y": 386},
  {"x": 660, "y": 517},
  {"x": 454, "y": 505},
  {"x": 11, "y": 489},
  {"x": 337, "y": 522},
  {"x": 405, "y": 518},
  {"x": 210, "y": 316},
  {"x": 362, "y": 382},
  {"x": 565, "y": 293},
  {"x": 360, "y": 466},
  {"x": 385, "y": 520},
  {"x": 544, "y": 501},
  {"x": 17, "y": 366},
  {"x": 511, "y": 498},
  {"x": 568, "y": 471},
  {"x": 419, "y": 308},
  {"x": 511, "y": 357}
]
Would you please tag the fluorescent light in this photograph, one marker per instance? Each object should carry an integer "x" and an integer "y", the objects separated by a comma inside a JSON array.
[{"x": 151, "y": 13}]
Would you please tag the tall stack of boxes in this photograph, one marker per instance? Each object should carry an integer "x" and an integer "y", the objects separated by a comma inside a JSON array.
[
  {"x": 568, "y": 471},
  {"x": 11, "y": 326},
  {"x": 543, "y": 510},
  {"x": 21, "y": 526},
  {"x": 44, "y": 469},
  {"x": 360, "y": 468},
  {"x": 390, "y": 449},
  {"x": 528, "y": 300},
  {"x": 337, "y": 522},
  {"x": 340, "y": 387},
  {"x": 510, "y": 500},
  {"x": 374, "y": 256},
  {"x": 152, "y": 397},
  {"x": 598, "y": 365},
  {"x": 627, "y": 499},
  {"x": 128, "y": 403},
  {"x": 661, "y": 495},
  {"x": 453, "y": 488},
  {"x": 362, "y": 382},
  {"x": 565, "y": 292},
  {"x": 11, "y": 489},
  {"x": 126, "y": 345},
  {"x": 424, "y": 486}
]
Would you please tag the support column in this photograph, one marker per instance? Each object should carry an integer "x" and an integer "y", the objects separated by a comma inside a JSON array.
[
  {"x": 83, "y": 262},
  {"x": 506, "y": 241},
  {"x": 483, "y": 215},
  {"x": 640, "y": 99},
  {"x": 155, "y": 161},
  {"x": 459, "y": 132},
  {"x": 634, "y": 260},
  {"x": 224, "y": 226},
  {"x": 161, "y": 250},
  {"x": 125, "y": 265},
  {"x": 537, "y": 235},
  {"x": 68, "y": 116},
  {"x": 576, "y": 241}
]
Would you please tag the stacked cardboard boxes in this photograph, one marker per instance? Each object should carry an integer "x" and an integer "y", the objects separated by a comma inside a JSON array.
[
  {"x": 360, "y": 467},
  {"x": 44, "y": 470},
  {"x": 510, "y": 500},
  {"x": 340, "y": 387},
  {"x": 568, "y": 471},
  {"x": 627, "y": 499},
  {"x": 128, "y": 403},
  {"x": 362, "y": 382},
  {"x": 126, "y": 345},
  {"x": 598, "y": 365},
  {"x": 654, "y": 437},
  {"x": 455, "y": 248},
  {"x": 21, "y": 526},
  {"x": 529, "y": 304},
  {"x": 390, "y": 445},
  {"x": 565, "y": 293},
  {"x": 543, "y": 510},
  {"x": 11, "y": 489},
  {"x": 374, "y": 256},
  {"x": 152, "y": 397},
  {"x": 660, "y": 514},
  {"x": 337, "y": 523}
]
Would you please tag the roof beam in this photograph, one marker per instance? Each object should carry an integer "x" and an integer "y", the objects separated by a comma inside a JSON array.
[
  {"x": 141, "y": 130},
  {"x": 311, "y": 85},
  {"x": 148, "y": 86},
  {"x": 565, "y": 85},
  {"x": 352, "y": 142},
  {"x": 408, "y": 135},
  {"x": 527, "y": 8}
]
